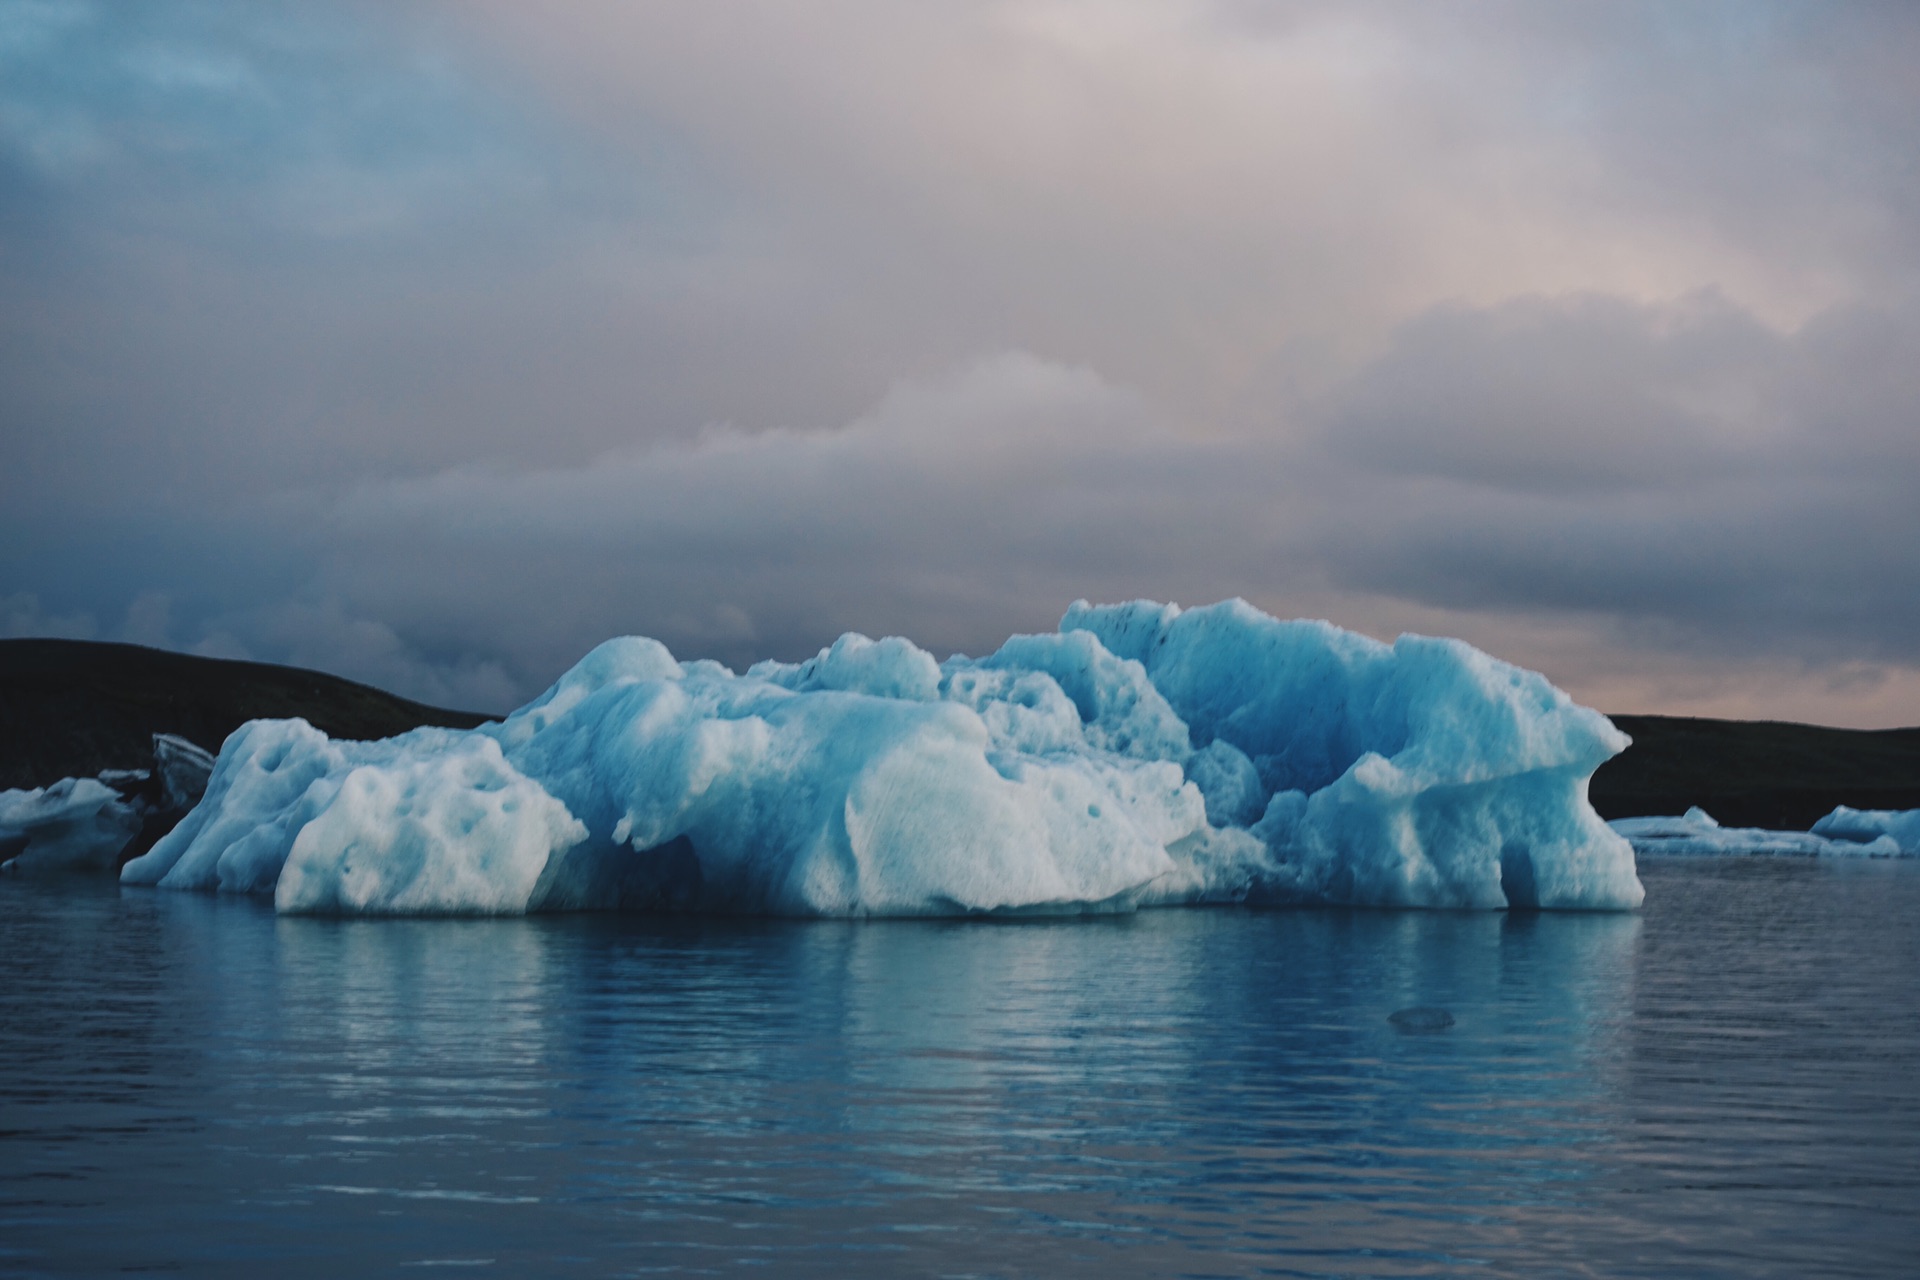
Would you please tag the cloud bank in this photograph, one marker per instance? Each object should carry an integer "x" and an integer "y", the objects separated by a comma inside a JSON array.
[{"x": 432, "y": 346}]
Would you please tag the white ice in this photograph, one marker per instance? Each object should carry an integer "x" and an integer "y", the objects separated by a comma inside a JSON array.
[
  {"x": 77, "y": 824},
  {"x": 1696, "y": 834},
  {"x": 1142, "y": 755}
]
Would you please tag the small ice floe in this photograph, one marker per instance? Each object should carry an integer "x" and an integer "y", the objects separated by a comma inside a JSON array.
[{"x": 1696, "y": 834}]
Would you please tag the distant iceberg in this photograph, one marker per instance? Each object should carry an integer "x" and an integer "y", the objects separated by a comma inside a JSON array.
[
  {"x": 1871, "y": 828},
  {"x": 1844, "y": 833},
  {"x": 90, "y": 824},
  {"x": 1140, "y": 756},
  {"x": 77, "y": 824}
]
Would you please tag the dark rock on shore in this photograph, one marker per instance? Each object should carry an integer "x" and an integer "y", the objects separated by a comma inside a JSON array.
[
  {"x": 79, "y": 708},
  {"x": 1756, "y": 773}
]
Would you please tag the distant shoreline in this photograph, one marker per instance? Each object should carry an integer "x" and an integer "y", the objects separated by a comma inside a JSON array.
[
  {"x": 1756, "y": 773},
  {"x": 73, "y": 708}
]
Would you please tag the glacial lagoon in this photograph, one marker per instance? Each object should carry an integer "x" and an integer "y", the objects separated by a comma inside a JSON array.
[{"x": 1721, "y": 1083}]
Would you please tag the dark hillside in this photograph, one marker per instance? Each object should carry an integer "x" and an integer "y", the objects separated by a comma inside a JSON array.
[
  {"x": 1756, "y": 773},
  {"x": 71, "y": 708}
]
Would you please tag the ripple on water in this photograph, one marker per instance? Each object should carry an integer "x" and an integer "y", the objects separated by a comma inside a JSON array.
[{"x": 1717, "y": 1085}]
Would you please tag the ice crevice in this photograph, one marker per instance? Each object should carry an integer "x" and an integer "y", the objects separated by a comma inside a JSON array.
[{"x": 1143, "y": 755}]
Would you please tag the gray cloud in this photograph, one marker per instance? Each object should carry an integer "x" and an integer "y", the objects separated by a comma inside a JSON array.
[
  {"x": 956, "y": 511},
  {"x": 432, "y": 344},
  {"x": 1582, "y": 395},
  {"x": 1676, "y": 468}
]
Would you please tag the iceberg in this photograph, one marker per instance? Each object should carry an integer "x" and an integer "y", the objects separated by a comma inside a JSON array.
[
  {"x": 1142, "y": 755},
  {"x": 77, "y": 824},
  {"x": 93, "y": 824},
  {"x": 1873, "y": 828},
  {"x": 1696, "y": 834}
]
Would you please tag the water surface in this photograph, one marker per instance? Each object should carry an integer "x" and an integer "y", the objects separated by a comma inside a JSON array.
[{"x": 1724, "y": 1083}]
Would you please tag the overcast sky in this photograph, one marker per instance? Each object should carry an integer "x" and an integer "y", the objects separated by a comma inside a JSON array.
[{"x": 431, "y": 344}]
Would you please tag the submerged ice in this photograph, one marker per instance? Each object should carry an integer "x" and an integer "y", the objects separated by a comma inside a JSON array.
[{"x": 1142, "y": 755}]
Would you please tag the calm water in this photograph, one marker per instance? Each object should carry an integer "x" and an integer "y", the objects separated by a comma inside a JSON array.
[{"x": 1726, "y": 1083}]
